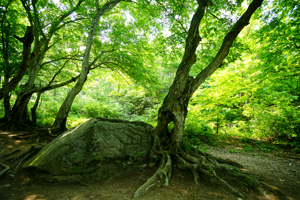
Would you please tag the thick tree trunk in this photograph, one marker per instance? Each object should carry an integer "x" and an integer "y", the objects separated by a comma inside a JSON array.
[
  {"x": 19, "y": 115},
  {"x": 61, "y": 118},
  {"x": 174, "y": 107},
  {"x": 27, "y": 40},
  {"x": 168, "y": 145},
  {"x": 176, "y": 102}
]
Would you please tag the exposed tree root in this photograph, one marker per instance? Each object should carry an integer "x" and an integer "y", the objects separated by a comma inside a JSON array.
[
  {"x": 217, "y": 171},
  {"x": 9, "y": 154},
  {"x": 276, "y": 191},
  {"x": 6, "y": 168},
  {"x": 16, "y": 161},
  {"x": 162, "y": 175},
  {"x": 37, "y": 135},
  {"x": 42, "y": 135}
]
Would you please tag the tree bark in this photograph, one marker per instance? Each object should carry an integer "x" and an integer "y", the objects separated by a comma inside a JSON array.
[
  {"x": 174, "y": 107},
  {"x": 27, "y": 40},
  {"x": 167, "y": 145},
  {"x": 61, "y": 118},
  {"x": 33, "y": 109}
]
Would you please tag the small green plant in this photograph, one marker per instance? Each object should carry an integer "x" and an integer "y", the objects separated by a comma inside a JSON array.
[
  {"x": 250, "y": 181},
  {"x": 232, "y": 150},
  {"x": 133, "y": 158},
  {"x": 294, "y": 144},
  {"x": 247, "y": 147},
  {"x": 267, "y": 148},
  {"x": 244, "y": 140},
  {"x": 203, "y": 148},
  {"x": 296, "y": 150}
]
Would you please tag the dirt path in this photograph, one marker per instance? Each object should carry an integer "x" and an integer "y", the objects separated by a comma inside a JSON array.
[{"x": 283, "y": 173}]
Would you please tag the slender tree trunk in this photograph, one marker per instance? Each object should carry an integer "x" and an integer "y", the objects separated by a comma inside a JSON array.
[
  {"x": 7, "y": 107},
  {"x": 61, "y": 118},
  {"x": 54, "y": 94},
  {"x": 218, "y": 120},
  {"x": 6, "y": 66},
  {"x": 33, "y": 109}
]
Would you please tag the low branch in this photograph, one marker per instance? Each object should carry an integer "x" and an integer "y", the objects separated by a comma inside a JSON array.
[
  {"x": 52, "y": 87},
  {"x": 47, "y": 88},
  {"x": 62, "y": 58}
]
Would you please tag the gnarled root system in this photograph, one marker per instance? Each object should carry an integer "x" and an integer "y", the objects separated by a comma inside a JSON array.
[{"x": 225, "y": 173}]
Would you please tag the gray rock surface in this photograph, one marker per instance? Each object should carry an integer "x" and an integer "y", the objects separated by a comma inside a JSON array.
[{"x": 97, "y": 149}]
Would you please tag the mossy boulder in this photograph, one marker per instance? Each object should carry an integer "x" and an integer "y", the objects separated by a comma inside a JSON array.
[{"x": 97, "y": 149}]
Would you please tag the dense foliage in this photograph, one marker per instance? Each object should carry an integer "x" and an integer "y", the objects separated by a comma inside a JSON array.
[{"x": 136, "y": 50}]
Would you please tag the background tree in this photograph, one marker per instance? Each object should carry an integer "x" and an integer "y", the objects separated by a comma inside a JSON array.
[
  {"x": 9, "y": 28},
  {"x": 41, "y": 46},
  {"x": 61, "y": 118}
]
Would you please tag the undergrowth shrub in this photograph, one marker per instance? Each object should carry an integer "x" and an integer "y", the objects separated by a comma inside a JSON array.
[{"x": 197, "y": 133}]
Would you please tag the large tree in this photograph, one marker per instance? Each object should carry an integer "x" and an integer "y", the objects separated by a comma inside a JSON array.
[
  {"x": 43, "y": 36},
  {"x": 168, "y": 146}
]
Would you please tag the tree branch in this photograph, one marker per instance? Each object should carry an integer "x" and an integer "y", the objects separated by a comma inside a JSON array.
[
  {"x": 213, "y": 15},
  {"x": 53, "y": 78},
  {"x": 52, "y": 87},
  {"x": 173, "y": 17},
  {"x": 71, "y": 21},
  {"x": 117, "y": 72},
  {"x": 37, "y": 19},
  {"x": 62, "y": 58},
  {"x": 55, "y": 24},
  {"x": 227, "y": 43}
]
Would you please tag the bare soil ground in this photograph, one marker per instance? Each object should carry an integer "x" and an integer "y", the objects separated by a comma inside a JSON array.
[{"x": 281, "y": 171}]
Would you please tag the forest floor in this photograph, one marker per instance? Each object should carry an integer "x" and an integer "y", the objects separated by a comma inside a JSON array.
[{"x": 279, "y": 168}]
